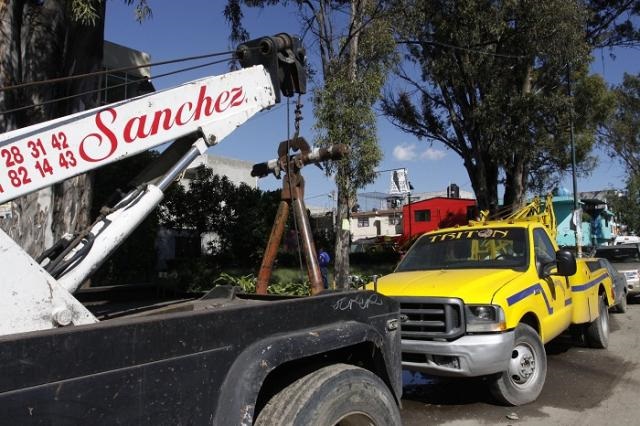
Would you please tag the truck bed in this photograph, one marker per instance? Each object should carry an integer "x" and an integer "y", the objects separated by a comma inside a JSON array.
[{"x": 189, "y": 360}]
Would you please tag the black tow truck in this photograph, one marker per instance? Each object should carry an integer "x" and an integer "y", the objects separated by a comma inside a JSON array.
[{"x": 123, "y": 355}]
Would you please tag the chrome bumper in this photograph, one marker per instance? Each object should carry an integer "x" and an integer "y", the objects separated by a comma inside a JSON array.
[
  {"x": 468, "y": 356},
  {"x": 633, "y": 286}
]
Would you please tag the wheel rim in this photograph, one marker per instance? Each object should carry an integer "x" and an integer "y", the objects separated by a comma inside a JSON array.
[
  {"x": 356, "y": 419},
  {"x": 604, "y": 318},
  {"x": 523, "y": 366}
]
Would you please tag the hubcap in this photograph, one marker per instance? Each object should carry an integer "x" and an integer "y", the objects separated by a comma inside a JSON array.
[
  {"x": 605, "y": 318},
  {"x": 356, "y": 419},
  {"x": 522, "y": 366}
]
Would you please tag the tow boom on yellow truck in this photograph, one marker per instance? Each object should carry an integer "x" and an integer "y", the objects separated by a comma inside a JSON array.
[{"x": 483, "y": 299}]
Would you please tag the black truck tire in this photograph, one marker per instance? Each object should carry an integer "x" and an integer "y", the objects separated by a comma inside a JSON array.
[
  {"x": 597, "y": 331},
  {"x": 524, "y": 379},
  {"x": 621, "y": 307},
  {"x": 339, "y": 394}
]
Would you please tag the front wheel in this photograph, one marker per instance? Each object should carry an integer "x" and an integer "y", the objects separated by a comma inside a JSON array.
[
  {"x": 527, "y": 371},
  {"x": 598, "y": 330},
  {"x": 339, "y": 394}
]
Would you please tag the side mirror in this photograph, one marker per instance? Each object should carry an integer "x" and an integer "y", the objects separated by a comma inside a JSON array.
[{"x": 566, "y": 263}]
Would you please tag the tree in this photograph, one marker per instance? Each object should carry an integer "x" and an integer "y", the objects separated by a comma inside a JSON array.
[
  {"x": 41, "y": 40},
  {"x": 622, "y": 137},
  {"x": 626, "y": 206},
  {"x": 239, "y": 217},
  {"x": 612, "y": 23},
  {"x": 355, "y": 51},
  {"x": 622, "y": 132},
  {"x": 491, "y": 83},
  {"x": 249, "y": 226}
]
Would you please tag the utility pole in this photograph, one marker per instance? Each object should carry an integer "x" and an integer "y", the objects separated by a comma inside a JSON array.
[
  {"x": 577, "y": 217},
  {"x": 409, "y": 212}
]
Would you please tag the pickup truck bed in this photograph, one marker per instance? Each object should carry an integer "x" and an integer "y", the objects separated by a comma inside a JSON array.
[{"x": 213, "y": 360}]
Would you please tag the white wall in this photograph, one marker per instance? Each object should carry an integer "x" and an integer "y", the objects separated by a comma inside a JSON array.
[{"x": 382, "y": 216}]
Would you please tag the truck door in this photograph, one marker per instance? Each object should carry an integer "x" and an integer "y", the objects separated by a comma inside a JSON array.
[{"x": 555, "y": 288}]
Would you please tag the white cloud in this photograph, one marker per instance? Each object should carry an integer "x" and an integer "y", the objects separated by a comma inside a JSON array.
[
  {"x": 433, "y": 154},
  {"x": 404, "y": 152},
  {"x": 408, "y": 152}
]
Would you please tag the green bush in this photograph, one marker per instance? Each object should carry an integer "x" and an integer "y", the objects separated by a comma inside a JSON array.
[{"x": 248, "y": 284}]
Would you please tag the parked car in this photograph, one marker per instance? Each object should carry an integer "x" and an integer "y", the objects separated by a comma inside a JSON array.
[
  {"x": 625, "y": 239},
  {"x": 626, "y": 259},
  {"x": 619, "y": 286}
]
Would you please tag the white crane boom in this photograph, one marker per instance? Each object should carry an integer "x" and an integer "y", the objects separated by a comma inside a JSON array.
[
  {"x": 47, "y": 153},
  {"x": 197, "y": 115}
]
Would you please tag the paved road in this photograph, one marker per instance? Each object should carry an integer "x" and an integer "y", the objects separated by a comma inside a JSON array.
[{"x": 584, "y": 387}]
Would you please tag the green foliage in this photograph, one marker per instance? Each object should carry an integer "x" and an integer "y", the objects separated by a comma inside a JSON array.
[
  {"x": 344, "y": 105},
  {"x": 142, "y": 10},
  {"x": 239, "y": 217},
  {"x": 87, "y": 12},
  {"x": 491, "y": 83},
  {"x": 248, "y": 285},
  {"x": 246, "y": 282},
  {"x": 612, "y": 23},
  {"x": 355, "y": 49},
  {"x": 290, "y": 288},
  {"x": 622, "y": 134},
  {"x": 622, "y": 137},
  {"x": 627, "y": 205}
]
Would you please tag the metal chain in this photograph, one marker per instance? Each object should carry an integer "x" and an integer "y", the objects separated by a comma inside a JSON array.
[{"x": 298, "y": 116}]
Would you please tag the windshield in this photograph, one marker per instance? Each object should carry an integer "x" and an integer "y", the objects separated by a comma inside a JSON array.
[{"x": 488, "y": 248}]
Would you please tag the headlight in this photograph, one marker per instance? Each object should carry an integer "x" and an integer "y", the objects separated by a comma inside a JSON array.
[{"x": 484, "y": 318}]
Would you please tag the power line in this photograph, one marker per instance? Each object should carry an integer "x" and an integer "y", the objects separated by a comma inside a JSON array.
[
  {"x": 89, "y": 92},
  {"x": 103, "y": 72},
  {"x": 319, "y": 195}
]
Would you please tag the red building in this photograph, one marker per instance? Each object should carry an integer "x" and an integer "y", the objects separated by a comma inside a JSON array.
[{"x": 435, "y": 213}]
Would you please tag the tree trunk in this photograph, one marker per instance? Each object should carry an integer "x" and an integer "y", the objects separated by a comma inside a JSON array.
[
  {"x": 484, "y": 181},
  {"x": 514, "y": 188},
  {"x": 40, "y": 40},
  {"x": 343, "y": 238},
  {"x": 346, "y": 196},
  {"x": 516, "y": 169}
]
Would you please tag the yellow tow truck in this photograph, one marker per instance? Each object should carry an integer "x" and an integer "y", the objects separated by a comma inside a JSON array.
[{"x": 483, "y": 299}]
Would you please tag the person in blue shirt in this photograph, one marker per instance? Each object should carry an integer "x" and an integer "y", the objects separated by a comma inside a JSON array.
[{"x": 323, "y": 260}]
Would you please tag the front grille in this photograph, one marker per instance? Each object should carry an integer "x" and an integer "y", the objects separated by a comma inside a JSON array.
[{"x": 431, "y": 318}]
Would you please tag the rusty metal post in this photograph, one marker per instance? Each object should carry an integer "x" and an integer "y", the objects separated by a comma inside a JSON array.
[
  {"x": 271, "y": 251},
  {"x": 293, "y": 193},
  {"x": 311, "y": 258}
]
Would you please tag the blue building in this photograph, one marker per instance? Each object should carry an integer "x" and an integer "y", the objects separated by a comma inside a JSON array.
[
  {"x": 603, "y": 225},
  {"x": 563, "y": 209},
  {"x": 598, "y": 224}
]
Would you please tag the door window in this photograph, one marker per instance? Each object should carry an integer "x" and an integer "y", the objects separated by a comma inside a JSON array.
[{"x": 543, "y": 247}]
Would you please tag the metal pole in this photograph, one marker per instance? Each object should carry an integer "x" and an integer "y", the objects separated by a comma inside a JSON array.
[
  {"x": 409, "y": 211},
  {"x": 311, "y": 257},
  {"x": 271, "y": 252},
  {"x": 578, "y": 221}
]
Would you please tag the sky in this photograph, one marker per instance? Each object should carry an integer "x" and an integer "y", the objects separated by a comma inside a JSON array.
[{"x": 180, "y": 29}]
